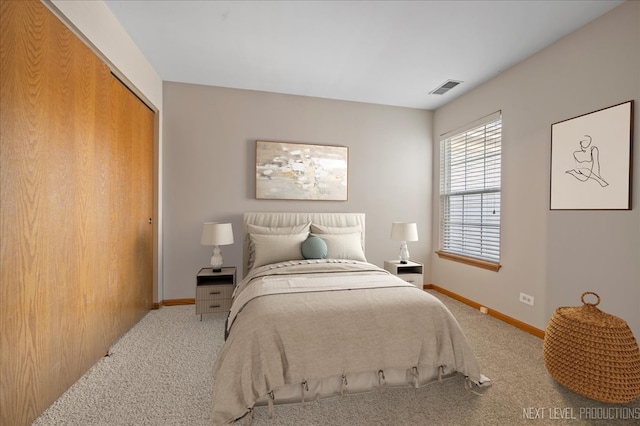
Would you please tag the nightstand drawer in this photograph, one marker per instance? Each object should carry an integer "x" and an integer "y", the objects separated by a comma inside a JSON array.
[
  {"x": 214, "y": 292},
  {"x": 414, "y": 279},
  {"x": 213, "y": 306}
]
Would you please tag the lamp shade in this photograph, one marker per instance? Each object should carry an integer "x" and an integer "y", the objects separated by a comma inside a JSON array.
[
  {"x": 216, "y": 234},
  {"x": 403, "y": 231}
]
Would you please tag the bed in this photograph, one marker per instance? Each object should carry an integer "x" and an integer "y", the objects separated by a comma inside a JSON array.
[{"x": 313, "y": 319}]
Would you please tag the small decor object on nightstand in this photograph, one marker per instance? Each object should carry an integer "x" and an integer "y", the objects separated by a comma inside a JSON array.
[
  {"x": 402, "y": 231},
  {"x": 216, "y": 234}
]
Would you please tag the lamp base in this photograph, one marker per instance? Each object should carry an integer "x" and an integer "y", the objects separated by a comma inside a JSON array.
[
  {"x": 216, "y": 259},
  {"x": 404, "y": 253}
]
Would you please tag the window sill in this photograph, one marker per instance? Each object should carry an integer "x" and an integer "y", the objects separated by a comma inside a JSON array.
[{"x": 491, "y": 266}]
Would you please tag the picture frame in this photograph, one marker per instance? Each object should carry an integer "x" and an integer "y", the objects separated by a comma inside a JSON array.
[
  {"x": 301, "y": 171},
  {"x": 591, "y": 160}
]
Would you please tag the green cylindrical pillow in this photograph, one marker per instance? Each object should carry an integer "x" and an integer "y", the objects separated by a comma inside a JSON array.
[{"x": 314, "y": 248}]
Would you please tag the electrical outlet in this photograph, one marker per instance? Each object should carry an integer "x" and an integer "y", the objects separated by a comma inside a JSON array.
[{"x": 525, "y": 298}]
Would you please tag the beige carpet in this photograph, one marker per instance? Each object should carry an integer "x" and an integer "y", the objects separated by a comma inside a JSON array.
[{"x": 159, "y": 373}]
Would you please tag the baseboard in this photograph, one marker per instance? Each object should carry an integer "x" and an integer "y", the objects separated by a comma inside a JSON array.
[
  {"x": 502, "y": 317},
  {"x": 156, "y": 305},
  {"x": 176, "y": 302}
]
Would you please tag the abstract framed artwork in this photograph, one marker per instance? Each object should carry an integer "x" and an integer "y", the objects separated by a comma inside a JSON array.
[
  {"x": 299, "y": 171},
  {"x": 591, "y": 160}
]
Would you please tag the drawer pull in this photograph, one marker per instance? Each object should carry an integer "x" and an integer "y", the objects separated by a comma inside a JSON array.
[
  {"x": 214, "y": 292},
  {"x": 214, "y": 306}
]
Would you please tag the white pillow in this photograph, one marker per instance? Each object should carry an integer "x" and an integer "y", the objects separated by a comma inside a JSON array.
[
  {"x": 276, "y": 248},
  {"x": 278, "y": 230},
  {"x": 343, "y": 246},
  {"x": 273, "y": 230},
  {"x": 322, "y": 229}
]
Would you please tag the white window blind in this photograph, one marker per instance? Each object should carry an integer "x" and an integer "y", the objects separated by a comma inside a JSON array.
[{"x": 470, "y": 168}]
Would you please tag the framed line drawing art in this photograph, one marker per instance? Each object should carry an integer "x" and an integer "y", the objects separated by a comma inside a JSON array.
[
  {"x": 591, "y": 160},
  {"x": 299, "y": 171}
]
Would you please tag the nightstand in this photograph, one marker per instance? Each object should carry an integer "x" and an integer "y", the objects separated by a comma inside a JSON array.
[
  {"x": 411, "y": 272},
  {"x": 214, "y": 290}
]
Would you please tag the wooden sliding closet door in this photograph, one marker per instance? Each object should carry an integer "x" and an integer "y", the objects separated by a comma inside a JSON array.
[
  {"x": 75, "y": 201},
  {"x": 131, "y": 208}
]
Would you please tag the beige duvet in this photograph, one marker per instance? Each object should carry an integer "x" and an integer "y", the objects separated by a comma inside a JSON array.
[{"x": 307, "y": 320}]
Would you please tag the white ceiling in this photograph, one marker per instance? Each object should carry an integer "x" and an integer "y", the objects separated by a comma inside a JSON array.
[{"x": 383, "y": 52}]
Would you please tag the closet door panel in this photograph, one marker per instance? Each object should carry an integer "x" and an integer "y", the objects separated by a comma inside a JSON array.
[
  {"x": 131, "y": 176},
  {"x": 51, "y": 84}
]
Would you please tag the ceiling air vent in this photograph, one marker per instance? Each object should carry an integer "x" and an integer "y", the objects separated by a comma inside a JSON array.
[{"x": 444, "y": 87}]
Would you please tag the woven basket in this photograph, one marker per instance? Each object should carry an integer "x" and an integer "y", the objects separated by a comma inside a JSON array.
[{"x": 592, "y": 353}]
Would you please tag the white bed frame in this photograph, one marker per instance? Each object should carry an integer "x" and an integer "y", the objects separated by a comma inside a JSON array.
[{"x": 336, "y": 385}]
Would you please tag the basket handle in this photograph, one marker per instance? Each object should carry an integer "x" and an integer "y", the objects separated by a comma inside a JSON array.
[{"x": 590, "y": 304}]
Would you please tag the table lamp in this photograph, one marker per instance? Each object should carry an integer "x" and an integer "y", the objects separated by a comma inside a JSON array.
[
  {"x": 216, "y": 234},
  {"x": 402, "y": 231}
]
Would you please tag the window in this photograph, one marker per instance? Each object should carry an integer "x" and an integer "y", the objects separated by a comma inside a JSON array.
[{"x": 470, "y": 165}]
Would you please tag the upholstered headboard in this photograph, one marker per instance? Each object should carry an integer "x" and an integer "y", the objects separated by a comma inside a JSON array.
[{"x": 280, "y": 219}]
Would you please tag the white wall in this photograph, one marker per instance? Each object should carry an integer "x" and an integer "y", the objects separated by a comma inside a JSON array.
[
  {"x": 209, "y": 168},
  {"x": 554, "y": 256},
  {"x": 94, "y": 23}
]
